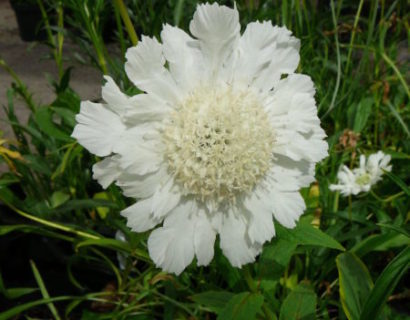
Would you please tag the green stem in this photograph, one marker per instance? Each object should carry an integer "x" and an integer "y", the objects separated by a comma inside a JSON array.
[
  {"x": 356, "y": 21},
  {"x": 350, "y": 208},
  {"x": 127, "y": 21},
  {"x": 51, "y": 224},
  {"x": 339, "y": 68},
  {"x": 388, "y": 199},
  {"x": 253, "y": 288},
  {"x": 398, "y": 74}
]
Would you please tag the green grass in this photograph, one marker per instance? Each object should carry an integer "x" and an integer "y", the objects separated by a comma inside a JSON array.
[{"x": 57, "y": 226}]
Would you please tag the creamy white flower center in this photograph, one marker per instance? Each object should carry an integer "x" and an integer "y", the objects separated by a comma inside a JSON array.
[
  {"x": 363, "y": 179},
  {"x": 219, "y": 143}
]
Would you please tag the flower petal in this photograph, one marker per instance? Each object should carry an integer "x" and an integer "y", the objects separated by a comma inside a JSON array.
[
  {"x": 183, "y": 55},
  {"x": 287, "y": 207},
  {"x": 165, "y": 198},
  {"x": 266, "y": 52},
  {"x": 139, "y": 156},
  {"x": 261, "y": 228},
  {"x": 234, "y": 243},
  {"x": 98, "y": 128},
  {"x": 145, "y": 67},
  {"x": 171, "y": 247},
  {"x": 217, "y": 29},
  {"x": 292, "y": 112},
  {"x": 139, "y": 216},
  {"x": 204, "y": 239},
  {"x": 141, "y": 186},
  {"x": 106, "y": 171}
]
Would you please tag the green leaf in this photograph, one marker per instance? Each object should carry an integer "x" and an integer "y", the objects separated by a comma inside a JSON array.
[
  {"x": 84, "y": 204},
  {"x": 67, "y": 115},
  {"x": 58, "y": 198},
  {"x": 399, "y": 182},
  {"x": 14, "y": 293},
  {"x": 403, "y": 229},
  {"x": 363, "y": 111},
  {"x": 43, "y": 290},
  {"x": 242, "y": 306},
  {"x": 355, "y": 284},
  {"x": 17, "y": 310},
  {"x": 300, "y": 304},
  {"x": 275, "y": 258},
  {"x": 213, "y": 300},
  {"x": 380, "y": 242},
  {"x": 43, "y": 117},
  {"x": 306, "y": 234},
  {"x": 106, "y": 243},
  {"x": 385, "y": 285}
]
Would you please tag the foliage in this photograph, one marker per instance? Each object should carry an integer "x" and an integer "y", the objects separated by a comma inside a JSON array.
[{"x": 347, "y": 258}]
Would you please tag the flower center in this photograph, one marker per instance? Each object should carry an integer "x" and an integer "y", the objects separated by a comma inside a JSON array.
[
  {"x": 363, "y": 179},
  {"x": 218, "y": 143}
]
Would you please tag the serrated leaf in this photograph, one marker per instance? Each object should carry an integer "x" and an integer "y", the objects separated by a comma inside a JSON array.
[
  {"x": 242, "y": 306},
  {"x": 300, "y": 304}
]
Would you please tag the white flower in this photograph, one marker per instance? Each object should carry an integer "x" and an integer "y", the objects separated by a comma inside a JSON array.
[
  {"x": 361, "y": 179},
  {"x": 219, "y": 144}
]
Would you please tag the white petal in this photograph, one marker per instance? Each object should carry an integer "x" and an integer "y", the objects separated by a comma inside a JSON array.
[
  {"x": 139, "y": 216},
  {"x": 114, "y": 97},
  {"x": 306, "y": 168},
  {"x": 139, "y": 156},
  {"x": 145, "y": 67},
  {"x": 204, "y": 239},
  {"x": 171, "y": 247},
  {"x": 261, "y": 228},
  {"x": 281, "y": 98},
  {"x": 98, "y": 129},
  {"x": 292, "y": 113},
  {"x": 148, "y": 107},
  {"x": 142, "y": 186},
  {"x": 287, "y": 207},
  {"x": 266, "y": 52},
  {"x": 234, "y": 243},
  {"x": 183, "y": 55},
  {"x": 106, "y": 171},
  {"x": 217, "y": 29},
  {"x": 165, "y": 198}
]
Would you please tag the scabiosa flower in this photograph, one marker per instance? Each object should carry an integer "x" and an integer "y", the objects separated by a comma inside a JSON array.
[
  {"x": 220, "y": 143},
  {"x": 361, "y": 179}
]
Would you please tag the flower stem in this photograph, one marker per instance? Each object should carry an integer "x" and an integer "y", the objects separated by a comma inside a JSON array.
[
  {"x": 254, "y": 289},
  {"x": 350, "y": 208},
  {"x": 127, "y": 21},
  {"x": 51, "y": 224}
]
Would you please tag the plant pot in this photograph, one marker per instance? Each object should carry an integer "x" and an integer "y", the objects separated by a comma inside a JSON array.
[{"x": 29, "y": 21}]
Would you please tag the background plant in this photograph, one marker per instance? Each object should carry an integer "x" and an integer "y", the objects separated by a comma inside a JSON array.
[{"x": 347, "y": 258}]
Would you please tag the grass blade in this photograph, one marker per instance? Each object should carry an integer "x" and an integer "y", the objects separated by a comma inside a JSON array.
[
  {"x": 385, "y": 284},
  {"x": 43, "y": 290}
]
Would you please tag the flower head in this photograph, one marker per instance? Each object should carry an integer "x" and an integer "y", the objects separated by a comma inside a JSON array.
[
  {"x": 361, "y": 179},
  {"x": 220, "y": 143}
]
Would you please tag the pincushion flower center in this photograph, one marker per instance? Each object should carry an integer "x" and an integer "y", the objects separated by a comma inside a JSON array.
[
  {"x": 218, "y": 143},
  {"x": 363, "y": 179}
]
